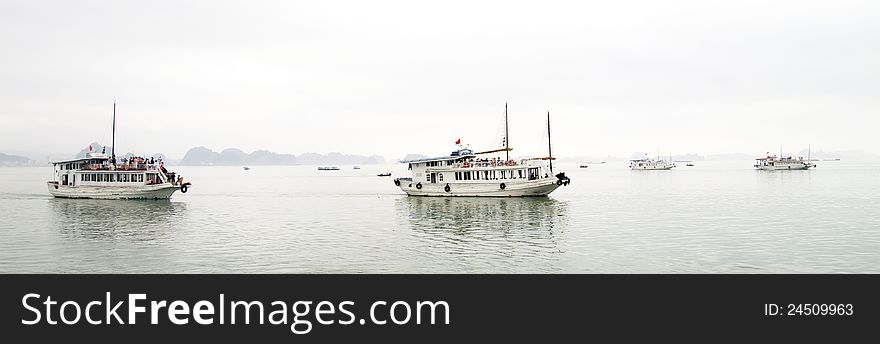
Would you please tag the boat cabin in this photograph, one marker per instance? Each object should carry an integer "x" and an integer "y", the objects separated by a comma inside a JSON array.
[
  {"x": 96, "y": 170},
  {"x": 464, "y": 166}
]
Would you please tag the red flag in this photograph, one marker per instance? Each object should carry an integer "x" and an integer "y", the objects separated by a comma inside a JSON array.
[
  {"x": 90, "y": 148},
  {"x": 458, "y": 142}
]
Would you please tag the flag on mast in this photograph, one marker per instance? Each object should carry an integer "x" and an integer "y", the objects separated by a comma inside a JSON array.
[{"x": 458, "y": 142}]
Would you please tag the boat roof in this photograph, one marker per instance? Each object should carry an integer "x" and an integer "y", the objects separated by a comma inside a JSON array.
[
  {"x": 461, "y": 153},
  {"x": 89, "y": 156},
  {"x": 439, "y": 158}
]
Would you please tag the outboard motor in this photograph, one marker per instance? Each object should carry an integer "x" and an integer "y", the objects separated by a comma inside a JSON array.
[{"x": 562, "y": 179}]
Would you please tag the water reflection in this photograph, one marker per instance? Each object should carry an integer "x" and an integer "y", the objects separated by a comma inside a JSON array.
[
  {"x": 131, "y": 219},
  {"x": 485, "y": 234},
  {"x": 464, "y": 215}
]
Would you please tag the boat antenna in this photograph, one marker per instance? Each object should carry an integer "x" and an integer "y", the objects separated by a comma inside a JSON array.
[
  {"x": 506, "y": 135},
  {"x": 809, "y": 150},
  {"x": 113, "y": 140},
  {"x": 549, "y": 144}
]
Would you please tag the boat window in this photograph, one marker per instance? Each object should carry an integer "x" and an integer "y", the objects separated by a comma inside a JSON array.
[
  {"x": 440, "y": 176},
  {"x": 140, "y": 178}
]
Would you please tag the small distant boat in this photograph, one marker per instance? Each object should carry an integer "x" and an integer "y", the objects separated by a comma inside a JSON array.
[
  {"x": 585, "y": 166},
  {"x": 388, "y": 174},
  {"x": 357, "y": 168},
  {"x": 689, "y": 164},
  {"x": 246, "y": 168},
  {"x": 328, "y": 168}
]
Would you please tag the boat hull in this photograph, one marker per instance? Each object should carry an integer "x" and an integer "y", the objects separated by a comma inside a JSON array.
[
  {"x": 536, "y": 188},
  {"x": 160, "y": 191},
  {"x": 653, "y": 168},
  {"x": 785, "y": 168}
]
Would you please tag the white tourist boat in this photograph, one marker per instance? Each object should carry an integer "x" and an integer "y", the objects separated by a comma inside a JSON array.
[
  {"x": 468, "y": 173},
  {"x": 648, "y": 164},
  {"x": 773, "y": 163},
  {"x": 98, "y": 176},
  {"x": 784, "y": 163}
]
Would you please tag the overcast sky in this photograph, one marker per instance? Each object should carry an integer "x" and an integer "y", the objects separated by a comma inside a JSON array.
[{"x": 391, "y": 78}]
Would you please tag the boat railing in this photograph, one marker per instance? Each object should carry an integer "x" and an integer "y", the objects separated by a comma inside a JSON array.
[
  {"x": 488, "y": 163},
  {"x": 120, "y": 167}
]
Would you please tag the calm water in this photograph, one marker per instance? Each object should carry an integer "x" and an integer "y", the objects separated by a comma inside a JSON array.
[{"x": 716, "y": 217}]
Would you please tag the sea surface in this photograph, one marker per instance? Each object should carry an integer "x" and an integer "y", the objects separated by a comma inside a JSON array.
[{"x": 715, "y": 217}]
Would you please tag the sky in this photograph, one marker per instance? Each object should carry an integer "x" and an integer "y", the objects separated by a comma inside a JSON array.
[{"x": 398, "y": 77}]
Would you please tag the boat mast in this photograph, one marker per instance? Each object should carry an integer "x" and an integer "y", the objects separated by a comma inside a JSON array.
[
  {"x": 506, "y": 136},
  {"x": 113, "y": 141},
  {"x": 809, "y": 150},
  {"x": 549, "y": 145}
]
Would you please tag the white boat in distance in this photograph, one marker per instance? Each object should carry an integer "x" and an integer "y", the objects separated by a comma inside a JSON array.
[
  {"x": 648, "y": 164},
  {"x": 772, "y": 163},
  {"x": 98, "y": 176},
  {"x": 464, "y": 173},
  {"x": 328, "y": 168}
]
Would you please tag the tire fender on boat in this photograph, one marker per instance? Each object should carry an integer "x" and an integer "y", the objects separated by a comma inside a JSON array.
[
  {"x": 447, "y": 188},
  {"x": 502, "y": 186},
  {"x": 559, "y": 182},
  {"x": 397, "y": 182},
  {"x": 419, "y": 186},
  {"x": 183, "y": 188}
]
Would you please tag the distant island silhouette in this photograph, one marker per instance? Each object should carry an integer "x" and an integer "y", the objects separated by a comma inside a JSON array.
[
  {"x": 203, "y": 156},
  {"x": 14, "y": 160}
]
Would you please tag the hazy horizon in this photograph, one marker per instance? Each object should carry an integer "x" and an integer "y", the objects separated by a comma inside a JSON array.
[{"x": 394, "y": 78}]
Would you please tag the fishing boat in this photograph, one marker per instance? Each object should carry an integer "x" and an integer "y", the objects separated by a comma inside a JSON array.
[
  {"x": 246, "y": 168},
  {"x": 584, "y": 166},
  {"x": 328, "y": 168},
  {"x": 100, "y": 176},
  {"x": 387, "y": 174},
  {"x": 689, "y": 165},
  {"x": 467, "y": 173},
  {"x": 784, "y": 163}
]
